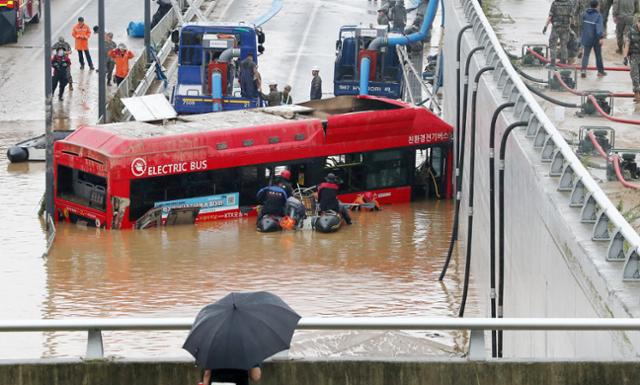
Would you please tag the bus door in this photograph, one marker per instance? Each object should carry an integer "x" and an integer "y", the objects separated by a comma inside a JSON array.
[{"x": 431, "y": 179}]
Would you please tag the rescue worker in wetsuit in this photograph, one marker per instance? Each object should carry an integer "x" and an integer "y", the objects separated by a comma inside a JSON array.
[
  {"x": 60, "y": 63},
  {"x": 283, "y": 180},
  {"x": 560, "y": 20},
  {"x": 273, "y": 199},
  {"x": 632, "y": 56},
  {"x": 328, "y": 197}
]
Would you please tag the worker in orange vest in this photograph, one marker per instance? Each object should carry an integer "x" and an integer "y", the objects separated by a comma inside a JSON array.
[
  {"x": 121, "y": 55},
  {"x": 81, "y": 33}
]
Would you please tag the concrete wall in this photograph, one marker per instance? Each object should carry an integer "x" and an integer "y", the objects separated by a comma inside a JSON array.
[
  {"x": 552, "y": 266},
  {"x": 330, "y": 373}
]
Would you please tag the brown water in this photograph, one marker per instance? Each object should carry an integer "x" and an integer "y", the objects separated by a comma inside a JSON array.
[{"x": 386, "y": 264}]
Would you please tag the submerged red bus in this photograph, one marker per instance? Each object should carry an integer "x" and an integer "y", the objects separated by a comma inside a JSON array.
[{"x": 111, "y": 175}]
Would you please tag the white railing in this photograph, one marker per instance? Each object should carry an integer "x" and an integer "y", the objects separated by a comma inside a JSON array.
[
  {"x": 624, "y": 242},
  {"x": 477, "y": 326}
]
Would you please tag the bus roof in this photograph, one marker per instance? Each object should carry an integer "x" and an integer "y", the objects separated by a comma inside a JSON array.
[{"x": 337, "y": 120}]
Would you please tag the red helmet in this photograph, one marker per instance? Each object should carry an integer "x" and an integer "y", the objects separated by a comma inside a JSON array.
[
  {"x": 368, "y": 195},
  {"x": 286, "y": 174}
]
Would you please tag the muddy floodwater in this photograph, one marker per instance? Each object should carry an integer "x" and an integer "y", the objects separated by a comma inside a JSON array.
[{"x": 386, "y": 264}]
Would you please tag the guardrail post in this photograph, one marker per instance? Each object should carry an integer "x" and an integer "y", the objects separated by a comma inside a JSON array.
[
  {"x": 95, "y": 350},
  {"x": 632, "y": 266},
  {"x": 566, "y": 180},
  {"x": 589, "y": 210},
  {"x": 548, "y": 150},
  {"x": 601, "y": 227},
  {"x": 476, "y": 345},
  {"x": 557, "y": 164},
  {"x": 615, "y": 251}
]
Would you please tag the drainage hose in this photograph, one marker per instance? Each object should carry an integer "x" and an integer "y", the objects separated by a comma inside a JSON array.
[
  {"x": 560, "y": 65},
  {"x": 492, "y": 217},
  {"x": 529, "y": 77},
  {"x": 607, "y": 116},
  {"x": 550, "y": 99},
  {"x": 472, "y": 168},
  {"x": 615, "y": 159},
  {"x": 503, "y": 149},
  {"x": 460, "y": 168},
  {"x": 462, "y": 30}
]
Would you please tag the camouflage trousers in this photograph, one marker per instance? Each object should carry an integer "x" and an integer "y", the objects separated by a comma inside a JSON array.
[
  {"x": 634, "y": 64},
  {"x": 605, "y": 6},
  {"x": 622, "y": 27},
  {"x": 559, "y": 36}
]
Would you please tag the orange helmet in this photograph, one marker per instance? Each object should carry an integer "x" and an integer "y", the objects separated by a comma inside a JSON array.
[{"x": 286, "y": 174}]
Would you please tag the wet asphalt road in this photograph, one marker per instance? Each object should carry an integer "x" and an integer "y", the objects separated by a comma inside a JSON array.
[{"x": 22, "y": 64}]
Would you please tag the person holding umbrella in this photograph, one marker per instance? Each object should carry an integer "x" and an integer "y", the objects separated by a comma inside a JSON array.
[
  {"x": 236, "y": 376},
  {"x": 224, "y": 342}
]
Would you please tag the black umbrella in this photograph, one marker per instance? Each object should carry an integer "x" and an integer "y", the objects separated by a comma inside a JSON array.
[{"x": 241, "y": 330}]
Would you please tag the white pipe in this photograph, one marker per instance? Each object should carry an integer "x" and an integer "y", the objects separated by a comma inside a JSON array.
[{"x": 335, "y": 323}]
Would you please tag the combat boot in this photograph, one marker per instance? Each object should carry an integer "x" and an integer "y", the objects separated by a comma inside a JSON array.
[{"x": 636, "y": 96}]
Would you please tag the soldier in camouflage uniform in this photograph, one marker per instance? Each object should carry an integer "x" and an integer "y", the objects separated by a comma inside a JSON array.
[
  {"x": 632, "y": 55},
  {"x": 623, "y": 11},
  {"x": 560, "y": 20},
  {"x": 605, "y": 6}
]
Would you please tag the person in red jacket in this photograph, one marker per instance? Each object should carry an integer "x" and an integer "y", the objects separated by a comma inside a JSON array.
[{"x": 61, "y": 64}]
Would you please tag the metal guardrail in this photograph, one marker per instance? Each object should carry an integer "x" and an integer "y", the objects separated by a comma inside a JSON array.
[
  {"x": 477, "y": 326},
  {"x": 585, "y": 193}
]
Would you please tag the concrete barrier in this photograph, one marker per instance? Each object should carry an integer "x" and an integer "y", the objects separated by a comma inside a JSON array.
[
  {"x": 552, "y": 267},
  {"x": 360, "y": 372}
]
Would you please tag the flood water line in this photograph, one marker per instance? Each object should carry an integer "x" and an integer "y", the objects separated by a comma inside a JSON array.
[
  {"x": 492, "y": 217},
  {"x": 460, "y": 169},
  {"x": 472, "y": 168},
  {"x": 503, "y": 150}
]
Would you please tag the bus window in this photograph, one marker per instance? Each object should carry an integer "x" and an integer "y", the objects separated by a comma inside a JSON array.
[
  {"x": 83, "y": 188},
  {"x": 349, "y": 168},
  {"x": 391, "y": 168}
]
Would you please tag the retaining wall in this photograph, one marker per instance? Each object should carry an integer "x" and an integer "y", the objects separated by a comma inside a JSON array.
[
  {"x": 552, "y": 268},
  {"x": 331, "y": 372}
]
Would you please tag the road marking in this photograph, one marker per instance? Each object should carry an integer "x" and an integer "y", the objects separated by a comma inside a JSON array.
[{"x": 305, "y": 35}]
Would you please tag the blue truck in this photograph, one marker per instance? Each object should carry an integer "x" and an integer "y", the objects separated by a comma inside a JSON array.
[
  {"x": 208, "y": 57},
  {"x": 385, "y": 78}
]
